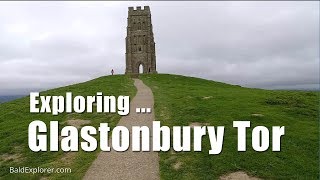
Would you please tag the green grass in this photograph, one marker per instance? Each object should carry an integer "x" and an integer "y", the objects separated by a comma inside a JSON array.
[
  {"x": 15, "y": 118},
  {"x": 180, "y": 100}
]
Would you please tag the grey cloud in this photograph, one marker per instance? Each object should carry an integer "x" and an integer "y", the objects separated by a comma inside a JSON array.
[{"x": 255, "y": 44}]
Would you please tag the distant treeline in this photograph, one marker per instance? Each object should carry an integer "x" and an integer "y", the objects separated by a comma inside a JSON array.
[{"x": 9, "y": 98}]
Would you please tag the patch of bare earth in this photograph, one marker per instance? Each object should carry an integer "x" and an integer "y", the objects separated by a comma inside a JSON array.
[
  {"x": 11, "y": 157},
  {"x": 193, "y": 124},
  {"x": 177, "y": 165},
  {"x": 78, "y": 122},
  {"x": 170, "y": 159},
  {"x": 239, "y": 175},
  {"x": 68, "y": 158},
  {"x": 207, "y": 97},
  {"x": 257, "y": 115},
  {"x": 15, "y": 156}
]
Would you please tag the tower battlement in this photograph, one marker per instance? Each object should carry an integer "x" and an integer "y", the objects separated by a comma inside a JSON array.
[{"x": 138, "y": 10}]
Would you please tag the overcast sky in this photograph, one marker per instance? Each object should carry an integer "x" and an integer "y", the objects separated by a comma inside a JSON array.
[{"x": 254, "y": 44}]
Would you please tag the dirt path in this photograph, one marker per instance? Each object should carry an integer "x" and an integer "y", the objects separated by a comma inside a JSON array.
[{"x": 129, "y": 165}]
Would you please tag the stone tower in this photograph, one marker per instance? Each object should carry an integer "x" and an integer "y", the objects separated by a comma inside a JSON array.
[{"x": 140, "y": 45}]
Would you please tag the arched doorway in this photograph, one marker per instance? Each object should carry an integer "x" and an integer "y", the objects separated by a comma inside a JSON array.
[{"x": 141, "y": 69}]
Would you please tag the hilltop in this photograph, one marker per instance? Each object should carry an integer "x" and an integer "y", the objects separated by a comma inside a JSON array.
[{"x": 181, "y": 100}]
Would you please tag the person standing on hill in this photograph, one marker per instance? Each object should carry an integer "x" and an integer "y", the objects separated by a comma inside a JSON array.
[{"x": 112, "y": 71}]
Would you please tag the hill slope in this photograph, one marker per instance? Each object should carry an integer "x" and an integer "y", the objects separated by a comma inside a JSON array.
[
  {"x": 180, "y": 101},
  {"x": 183, "y": 100},
  {"x": 15, "y": 118}
]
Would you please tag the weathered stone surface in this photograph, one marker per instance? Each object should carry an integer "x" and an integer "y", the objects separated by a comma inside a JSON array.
[{"x": 140, "y": 45}]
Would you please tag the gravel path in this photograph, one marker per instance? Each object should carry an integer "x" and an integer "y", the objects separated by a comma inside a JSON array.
[{"x": 129, "y": 165}]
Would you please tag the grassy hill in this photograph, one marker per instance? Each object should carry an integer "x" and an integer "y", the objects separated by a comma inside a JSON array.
[
  {"x": 180, "y": 101},
  {"x": 183, "y": 100},
  {"x": 15, "y": 118}
]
